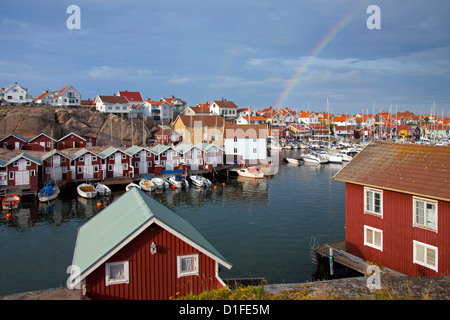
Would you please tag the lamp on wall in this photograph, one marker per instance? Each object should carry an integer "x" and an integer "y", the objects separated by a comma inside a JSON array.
[{"x": 153, "y": 248}]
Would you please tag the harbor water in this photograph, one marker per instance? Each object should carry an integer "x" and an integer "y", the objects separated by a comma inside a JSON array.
[{"x": 262, "y": 227}]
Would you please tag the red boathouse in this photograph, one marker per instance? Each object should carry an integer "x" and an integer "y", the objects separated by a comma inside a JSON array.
[
  {"x": 138, "y": 249},
  {"x": 398, "y": 207}
]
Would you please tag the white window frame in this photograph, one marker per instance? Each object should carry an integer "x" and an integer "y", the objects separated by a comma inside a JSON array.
[
  {"x": 80, "y": 169},
  {"x": 96, "y": 168},
  {"x": 371, "y": 242},
  {"x": 426, "y": 247},
  {"x": 372, "y": 209},
  {"x": 193, "y": 271},
  {"x": 126, "y": 273},
  {"x": 426, "y": 218}
]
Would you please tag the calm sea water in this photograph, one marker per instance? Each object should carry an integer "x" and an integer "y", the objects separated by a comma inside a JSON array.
[{"x": 263, "y": 227}]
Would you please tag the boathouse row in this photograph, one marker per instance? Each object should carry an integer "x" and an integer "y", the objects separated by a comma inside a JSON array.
[{"x": 28, "y": 169}]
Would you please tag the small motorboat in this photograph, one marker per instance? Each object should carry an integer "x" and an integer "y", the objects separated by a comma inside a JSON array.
[
  {"x": 86, "y": 190},
  {"x": 334, "y": 158},
  {"x": 132, "y": 185},
  {"x": 102, "y": 190},
  {"x": 294, "y": 161},
  {"x": 251, "y": 172},
  {"x": 11, "y": 201},
  {"x": 310, "y": 158},
  {"x": 49, "y": 192},
  {"x": 146, "y": 184},
  {"x": 178, "y": 181},
  {"x": 160, "y": 183},
  {"x": 200, "y": 180}
]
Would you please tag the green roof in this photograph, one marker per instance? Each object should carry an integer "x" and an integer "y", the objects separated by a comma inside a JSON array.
[
  {"x": 183, "y": 147},
  {"x": 103, "y": 235},
  {"x": 159, "y": 148},
  {"x": 24, "y": 155},
  {"x": 107, "y": 152},
  {"x": 134, "y": 149}
]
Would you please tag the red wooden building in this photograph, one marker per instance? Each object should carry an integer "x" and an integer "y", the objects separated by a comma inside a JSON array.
[
  {"x": 19, "y": 171},
  {"x": 116, "y": 163},
  {"x": 55, "y": 165},
  {"x": 71, "y": 140},
  {"x": 86, "y": 164},
  {"x": 141, "y": 158},
  {"x": 13, "y": 142},
  {"x": 153, "y": 254},
  {"x": 45, "y": 143},
  {"x": 398, "y": 207}
]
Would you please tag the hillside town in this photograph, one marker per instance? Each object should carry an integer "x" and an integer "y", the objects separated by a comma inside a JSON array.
[{"x": 188, "y": 138}]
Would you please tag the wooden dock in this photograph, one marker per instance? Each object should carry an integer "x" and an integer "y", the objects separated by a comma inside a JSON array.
[{"x": 336, "y": 252}]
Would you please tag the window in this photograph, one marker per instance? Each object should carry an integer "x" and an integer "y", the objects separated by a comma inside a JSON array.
[
  {"x": 80, "y": 169},
  {"x": 82, "y": 159},
  {"x": 116, "y": 272},
  {"x": 187, "y": 265},
  {"x": 11, "y": 175},
  {"x": 425, "y": 255},
  {"x": 96, "y": 168},
  {"x": 373, "y": 238},
  {"x": 94, "y": 158},
  {"x": 110, "y": 167},
  {"x": 425, "y": 213},
  {"x": 235, "y": 150},
  {"x": 373, "y": 201}
]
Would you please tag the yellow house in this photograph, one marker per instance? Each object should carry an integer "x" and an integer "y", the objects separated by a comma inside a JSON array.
[{"x": 200, "y": 128}]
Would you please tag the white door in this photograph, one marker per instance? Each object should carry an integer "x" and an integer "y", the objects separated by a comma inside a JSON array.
[
  {"x": 169, "y": 161},
  {"x": 17, "y": 146},
  {"x": 57, "y": 170},
  {"x": 194, "y": 160},
  {"x": 118, "y": 168},
  {"x": 143, "y": 162},
  {"x": 88, "y": 166},
  {"x": 22, "y": 176}
]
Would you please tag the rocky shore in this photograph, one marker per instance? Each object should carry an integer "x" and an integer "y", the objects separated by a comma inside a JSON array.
[
  {"x": 392, "y": 288},
  {"x": 58, "y": 122}
]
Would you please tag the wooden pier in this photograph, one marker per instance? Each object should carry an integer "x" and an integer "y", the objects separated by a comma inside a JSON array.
[{"x": 335, "y": 252}]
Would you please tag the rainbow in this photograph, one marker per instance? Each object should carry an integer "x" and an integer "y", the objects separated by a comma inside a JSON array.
[{"x": 317, "y": 50}]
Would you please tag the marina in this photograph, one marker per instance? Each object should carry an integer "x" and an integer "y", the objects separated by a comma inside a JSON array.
[{"x": 262, "y": 226}]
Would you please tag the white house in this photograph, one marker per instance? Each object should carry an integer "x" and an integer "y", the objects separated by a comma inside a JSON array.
[
  {"x": 118, "y": 105},
  {"x": 308, "y": 118},
  {"x": 177, "y": 104},
  {"x": 246, "y": 112},
  {"x": 250, "y": 120},
  {"x": 67, "y": 96},
  {"x": 225, "y": 108},
  {"x": 245, "y": 144},
  {"x": 159, "y": 110},
  {"x": 15, "y": 94}
]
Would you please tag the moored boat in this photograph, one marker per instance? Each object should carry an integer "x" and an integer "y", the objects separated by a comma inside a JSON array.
[
  {"x": 310, "y": 158},
  {"x": 147, "y": 185},
  {"x": 200, "y": 180},
  {"x": 160, "y": 183},
  {"x": 11, "y": 201},
  {"x": 49, "y": 192},
  {"x": 86, "y": 190},
  {"x": 102, "y": 190},
  {"x": 178, "y": 181},
  {"x": 132, "y": 185},
  {"x": 251, "y": 172},
  {"x": 294, "y": 161}
]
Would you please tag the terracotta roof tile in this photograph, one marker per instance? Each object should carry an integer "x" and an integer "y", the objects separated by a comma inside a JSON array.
[{"x": 409, "y": 168}]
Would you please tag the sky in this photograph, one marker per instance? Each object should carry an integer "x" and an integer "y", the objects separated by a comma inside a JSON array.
[{"x": 304, "y": 55}]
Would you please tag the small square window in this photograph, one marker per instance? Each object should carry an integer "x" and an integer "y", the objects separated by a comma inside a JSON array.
[
  {"x": 117, "y": 272},
  {"x": 425, "y": 255},
  {"x": 373, "y": 238},
  {"x": 187, "y": 265},
  {"x": 373, "y": 201}
]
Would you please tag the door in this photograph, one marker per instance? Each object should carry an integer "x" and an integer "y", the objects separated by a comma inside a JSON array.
[
  {"x": 194, "y": 160},
  {"x": 57, "y": 170},
  {"x": 22, "y": 176},
  {"x": 143, "y": 162},
  {"x": 118, "y": 168},
  {"x": 169, "y": 160},
  {"x": 17, "y": 145},
  {"x": 88, "y": 166}
]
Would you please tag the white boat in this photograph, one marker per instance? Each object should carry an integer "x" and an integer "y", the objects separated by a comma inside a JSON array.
[
  {"x": 251, "y": 172},
  {"x": 11, "y": 201},
  {"x": 147, "y": 185},
  {"x": 132, "y": 185},
  {"x": 310, "y": 158},
  {"x": 49, "y": 192},
  {"x": 178, "y": 181},
  {"x": 334, "y": 158},
  {"x": 200, "y": 180},
  {"x": 294, "y": 161},
  {"x": 86, "y": 190},
  {"x": 102, "y": 189},
  {"x": 345, "y": 157},
  {"x": 160, "y": 183}
]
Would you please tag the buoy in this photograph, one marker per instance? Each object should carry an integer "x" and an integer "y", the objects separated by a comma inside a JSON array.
[
  {"x": 99, "y": 204},
  {"x": 173, "y": 187},
  {"x": 223, "y": 184},
  {"x": 255, "y": 178},
  {"x": 215, "y": 187},
  {"x": 8, "y": 216}
]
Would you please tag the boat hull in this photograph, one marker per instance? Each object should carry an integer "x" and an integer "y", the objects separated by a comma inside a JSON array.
[
  {"x": 102, "y": 190},
  {"x": 86, "y": 191},
  {"x": 147, "y": 185},
  {"x": 11, "y": 201},
  {"x": 53, "y": 196}
]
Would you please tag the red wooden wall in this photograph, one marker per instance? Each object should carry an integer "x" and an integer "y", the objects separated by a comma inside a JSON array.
[
  {"x": 398, "y": 232},
  {"x": 153, "y": 277}
]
